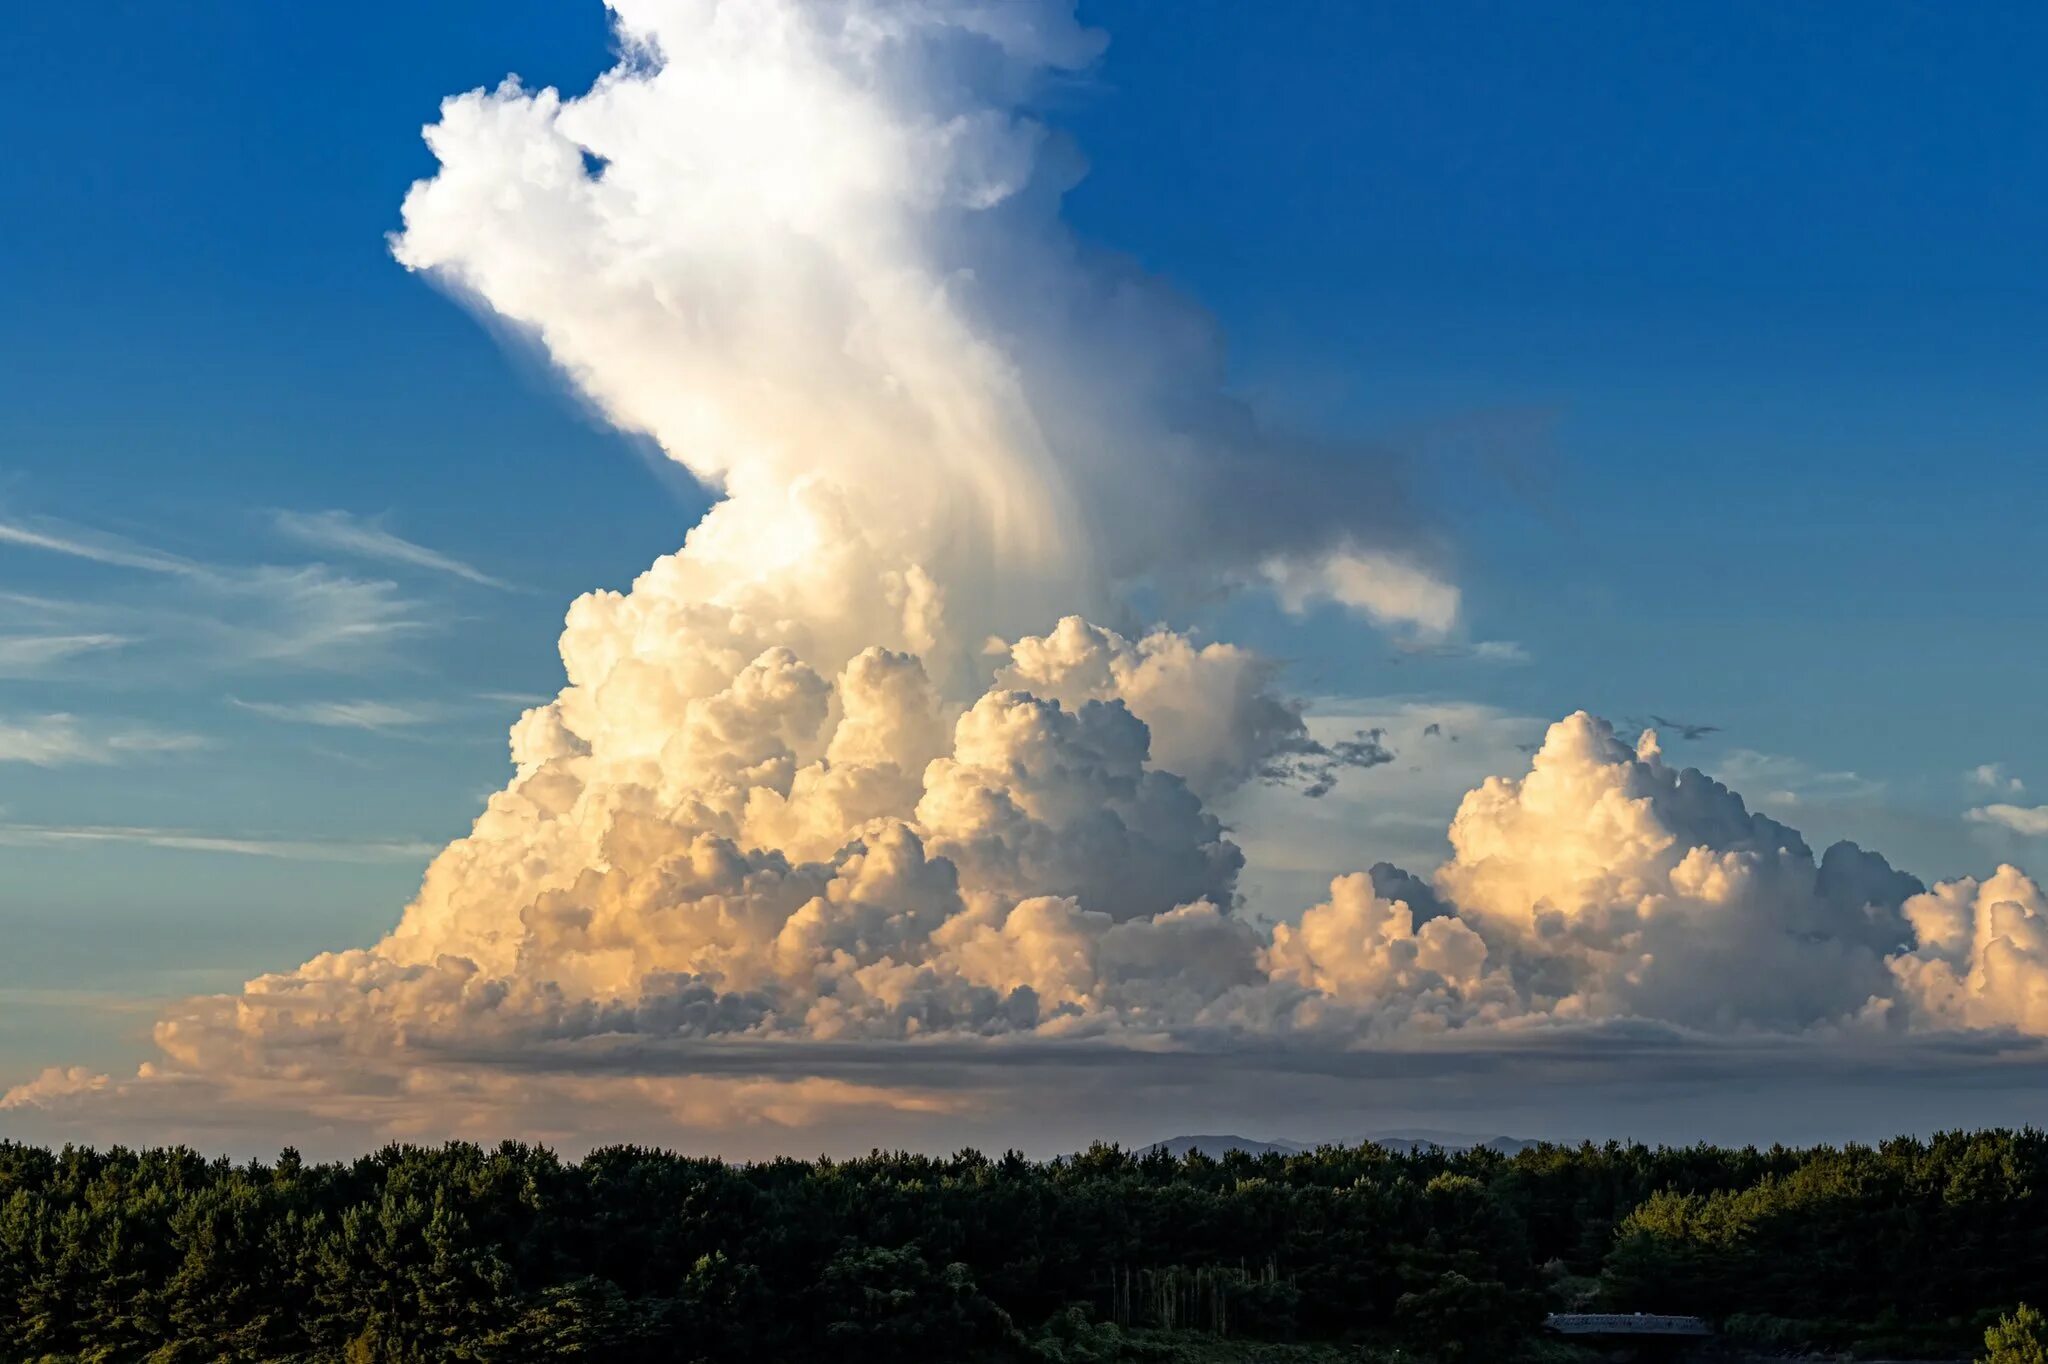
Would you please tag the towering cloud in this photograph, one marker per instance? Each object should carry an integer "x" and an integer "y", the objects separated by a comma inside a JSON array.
[{"x": 853, "y": 769}]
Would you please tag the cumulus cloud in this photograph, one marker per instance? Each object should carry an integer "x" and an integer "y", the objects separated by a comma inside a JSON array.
[
  {"x": 52, "y": 1086},
  {"x": 802, "y": 247},
  {"x": 848, "y": 796},
  {"x": 1631, "y": 887},
  {"x": 2030, "y": 821},
  {"x": 1213, "y": 711},
  {"x": 1386, "y": 589},
  {"x": 1994, "y": 777},
  {"x": 1981, "y": 959}
]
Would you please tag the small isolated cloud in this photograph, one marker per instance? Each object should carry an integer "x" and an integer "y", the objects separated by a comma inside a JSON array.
[
  {"x": 343, "y": 533},
  {"x": 54, "y": 1085},
  {"x": 365, "y": 715},
  {"x": 1994, "y": 777},
  {"x": 60, "y": 740},
  {"x": 2032, "y": 821},
  {"x": 1495, "y": 651},
  {"x": 1386, "y": 589}
]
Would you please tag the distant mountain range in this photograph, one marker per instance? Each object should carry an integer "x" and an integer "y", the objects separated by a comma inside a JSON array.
[{"x": 1400, "y": 1142}]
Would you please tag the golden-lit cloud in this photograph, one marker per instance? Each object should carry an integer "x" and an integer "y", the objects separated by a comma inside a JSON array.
[{"x": 848, "y": 804}]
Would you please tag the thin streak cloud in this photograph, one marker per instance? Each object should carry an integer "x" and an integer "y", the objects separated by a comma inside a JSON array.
[
  {"x": 78, "y": 543},
  {"x": 31, "y": 655},
  {"x": 297, "y": 615},
  {"x": 343, "y": 533},
  {"x": 185, "y": 840},
  {"x": 60, "y": 740},
  {"x": 374, "y": 716}
]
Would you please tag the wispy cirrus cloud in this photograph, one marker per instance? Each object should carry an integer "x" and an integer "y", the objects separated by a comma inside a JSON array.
[
  {"x": 23, "y": 656},
  {"x": 1773, "y": 778},
  {"x": 312, "y": 615},
  {"x": 375, "y": 716},
  {"x": 303, "y": 615},
  {"x": 233, "y": 845},
  {"x": 61, "y": 740},
  {"x": 344, "y": 533},
  {"x": 77, "y": 542}
]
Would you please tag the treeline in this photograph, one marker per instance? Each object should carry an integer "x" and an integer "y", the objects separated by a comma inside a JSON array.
[{"x": 462, "y": 1253}]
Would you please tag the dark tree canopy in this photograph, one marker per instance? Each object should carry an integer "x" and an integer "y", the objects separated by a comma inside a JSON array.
[{"x": 462, "y": 1253}]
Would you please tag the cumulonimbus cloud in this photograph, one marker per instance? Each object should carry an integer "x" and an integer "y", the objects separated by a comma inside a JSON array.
[{"x": 852, "y": 769}]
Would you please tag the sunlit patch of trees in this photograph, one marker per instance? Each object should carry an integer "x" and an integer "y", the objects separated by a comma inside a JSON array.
[{"x": 511, "y": 1254}]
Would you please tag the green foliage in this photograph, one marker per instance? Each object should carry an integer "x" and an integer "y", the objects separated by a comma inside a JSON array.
[
  {"x": 2021, "y": 1338},
  {"x": 506, "y": 1255}
]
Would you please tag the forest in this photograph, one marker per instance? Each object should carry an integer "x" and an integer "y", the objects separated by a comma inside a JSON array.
[{"x": 1913, "y": 1248}]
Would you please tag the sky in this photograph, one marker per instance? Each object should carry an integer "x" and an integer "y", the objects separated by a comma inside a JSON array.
[{"x": 1695, "y": 352}]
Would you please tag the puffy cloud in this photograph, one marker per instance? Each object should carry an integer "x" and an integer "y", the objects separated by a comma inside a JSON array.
[
  {"x": 1386, "y": 589},
  {"x": 1361, "y": 950},
  {"x": 54, "y": 1086},
  {"x": 1626, "y": 886},
  {"x": 790, "y": 822},
  {"x": 1994, "y": 777},
  {"x": 1039, "y": 799},
  {"x": 1212, "y": 710},
  {"x": 1048, "y": 887},
  {"x": 2029, "y": 821},
  {"x": 800, "y": 244},
  {"x": 1981, "y": 954}
]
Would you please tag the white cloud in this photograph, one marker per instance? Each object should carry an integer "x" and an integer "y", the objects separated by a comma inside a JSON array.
[
  {"x": 1212, "y": 710},
  {"x": 1981, "y": 959},
  {"x": 374, "y": 716},
  {"x": 788, "y": 809},
  {"x": 2031, "y": 821},
  {"x": 23, "y": 656},
  {"x": 77, "y": 542},
  {"x": 65, "y": 740},
  {"x": 185, "y": 840},
  {"x": 1388, "y": 589},
  {"x": 209, "y": 615},
  {"x": 54, "y": 1085},
  {"x": 346, "y": 534},
  {"x": 1994, "y": 777},
  {"x": 309, "y": 616}
]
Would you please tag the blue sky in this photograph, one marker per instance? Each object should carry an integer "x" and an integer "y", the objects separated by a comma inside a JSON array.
[{"x": 1715, "y": 333}]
